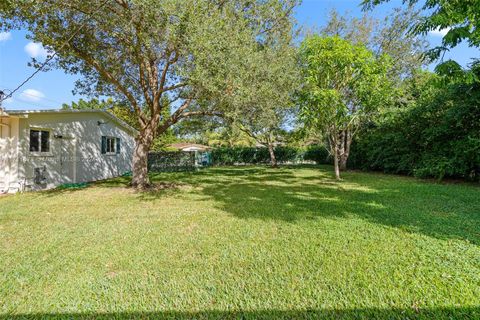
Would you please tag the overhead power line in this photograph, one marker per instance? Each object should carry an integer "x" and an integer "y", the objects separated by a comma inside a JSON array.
[{"x": 49, "y": 58}]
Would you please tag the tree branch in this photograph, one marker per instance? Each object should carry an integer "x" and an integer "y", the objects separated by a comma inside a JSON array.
[
  {"x": 163, "y": 78},
  {"x": 173, "y": 87},
  {"x": 143, "y": 84},
  {"x": 107, "y": 75},
  {"x": 174, "y": 117},
  {"x": 201, "y": 113}
]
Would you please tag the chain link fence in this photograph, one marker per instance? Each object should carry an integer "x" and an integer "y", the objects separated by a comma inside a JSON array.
[{"x": 168, "y": 161}]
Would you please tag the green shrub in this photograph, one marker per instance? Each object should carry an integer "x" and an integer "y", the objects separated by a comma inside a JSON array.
[
  {"x": 252, "y": 155},
  {"x": 438, "y": 137},
  {"x": 319, "y": 154}
]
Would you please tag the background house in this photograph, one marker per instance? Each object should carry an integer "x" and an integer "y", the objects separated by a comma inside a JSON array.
[
  {"x": 47, "y": 148},
  {"x": 186, "y": 146},
  {"x": 200, "y": 151}
]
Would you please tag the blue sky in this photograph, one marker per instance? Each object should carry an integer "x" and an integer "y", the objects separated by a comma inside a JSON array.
[{"x": 48, "y": 90}]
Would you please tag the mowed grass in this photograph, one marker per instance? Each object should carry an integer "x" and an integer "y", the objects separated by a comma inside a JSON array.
[{"x": 248, "y": 243}]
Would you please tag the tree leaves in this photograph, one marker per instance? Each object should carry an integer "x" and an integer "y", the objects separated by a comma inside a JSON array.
[
  {"x": 343, "y": 82},
  {"x": 462, "y": 17}
]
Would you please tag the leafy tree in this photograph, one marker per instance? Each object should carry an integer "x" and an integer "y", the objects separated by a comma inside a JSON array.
[
  {"x": 460, "y": 17},
  {"x": 268, "y": 108},
  {"x": 390, "y": 36},
  {"x": 344, "y": 85},
  {"x": 226, "y": 136},
  {"x": 82, "y": 104},
  {"x": 214, "y": 131},
  {"x": 265, "y": 127},
  {"x": 154, "y": 54},
  {"x": 263, "y": 109}
]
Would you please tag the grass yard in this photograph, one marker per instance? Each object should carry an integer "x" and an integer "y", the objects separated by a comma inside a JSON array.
[{"x": 244, "y": 243}]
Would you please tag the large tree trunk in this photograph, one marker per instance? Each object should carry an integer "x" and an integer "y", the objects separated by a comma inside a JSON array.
[
  {"x": 273, "y": 159},
  {"x": 143, "y": 143}
]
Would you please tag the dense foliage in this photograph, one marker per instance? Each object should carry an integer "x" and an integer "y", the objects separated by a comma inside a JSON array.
[
  {"x": 253, "y": 155},
  {"x": 390, "y": 36},
  {"x": 460, "y": 18},
  {"x": 437, "y": 135}
]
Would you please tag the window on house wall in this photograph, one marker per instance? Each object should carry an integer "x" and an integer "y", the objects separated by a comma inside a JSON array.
[
  {"x": 110, "y": 145},
  {"x": 39, "y": 140}
]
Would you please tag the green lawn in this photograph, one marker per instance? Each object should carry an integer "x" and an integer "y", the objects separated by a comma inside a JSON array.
[{"x": 244, "y": 243}]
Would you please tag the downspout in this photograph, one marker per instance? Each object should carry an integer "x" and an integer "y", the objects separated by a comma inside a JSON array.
[{"x": 74, "y": 160}]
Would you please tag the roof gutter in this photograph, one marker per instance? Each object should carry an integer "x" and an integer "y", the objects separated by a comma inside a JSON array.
[{"x": 25, "y": 113}]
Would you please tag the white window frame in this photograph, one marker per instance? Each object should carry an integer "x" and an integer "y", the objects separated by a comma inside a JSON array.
[
  {"x": 114, "y": 139},
  {"x": 41, "y": 153}
]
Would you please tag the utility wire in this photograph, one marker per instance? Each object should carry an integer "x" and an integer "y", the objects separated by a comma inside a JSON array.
[
  {"x": 36, "y": 103},
  {"x": 49, "y": 58},
  {"x": 40, "y": 98},
  {"x": 24, "y": 93}
]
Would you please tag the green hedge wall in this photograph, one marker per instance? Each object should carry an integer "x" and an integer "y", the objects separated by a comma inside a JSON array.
[
  {"x": 252, "y": 155},
  {"x": 439, "y": 139}
]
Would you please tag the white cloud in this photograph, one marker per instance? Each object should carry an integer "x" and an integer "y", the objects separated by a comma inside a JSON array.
[
  {"x": 439, "y": 32},
  {"x": 4, "y": 36},
  {"x": 31, "y": 95},
  {"x": 36, "y": 50}
]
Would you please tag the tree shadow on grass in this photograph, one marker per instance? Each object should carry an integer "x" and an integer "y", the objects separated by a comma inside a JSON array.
[
  {"x": 442, "y": 211},
  {"x": 437, "y": 313},
  {"x": 431, "y": 209}
]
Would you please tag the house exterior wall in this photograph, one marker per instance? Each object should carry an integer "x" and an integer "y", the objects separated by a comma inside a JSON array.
[
  {"x": 75, "y": 149},
  {"x": 9, "y": 154}
]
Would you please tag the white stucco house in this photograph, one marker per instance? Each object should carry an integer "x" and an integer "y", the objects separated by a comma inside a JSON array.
[{"x": 42, "y": 149}]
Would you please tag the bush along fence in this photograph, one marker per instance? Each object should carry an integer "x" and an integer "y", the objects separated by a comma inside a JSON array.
[
  {"x": 387, "y": 155},
  {"x": 166, "y": 161},
  {"x": 284, "y": 155}
]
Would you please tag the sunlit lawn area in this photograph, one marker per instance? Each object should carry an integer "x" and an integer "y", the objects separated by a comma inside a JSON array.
[{"x": 244, "y": 243}]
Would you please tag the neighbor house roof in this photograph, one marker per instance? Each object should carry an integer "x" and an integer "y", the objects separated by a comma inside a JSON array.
[
  {"x": 186, "y": 145},
  {"x": 107, "y": 114}
]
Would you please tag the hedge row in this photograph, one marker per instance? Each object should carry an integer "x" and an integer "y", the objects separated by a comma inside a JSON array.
[
  {"x": 438, "y": 139},
  {"x": 165, "y": 161},
  {"x": 252, "y": 155}
]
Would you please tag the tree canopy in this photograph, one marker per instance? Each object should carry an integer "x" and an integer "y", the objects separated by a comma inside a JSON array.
[
  {"x": 343, "y": 84},
  {"x": 390, "y": 36},
  {"x": 461, "y": 19},
  {"x": 264, "y": 111}
]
